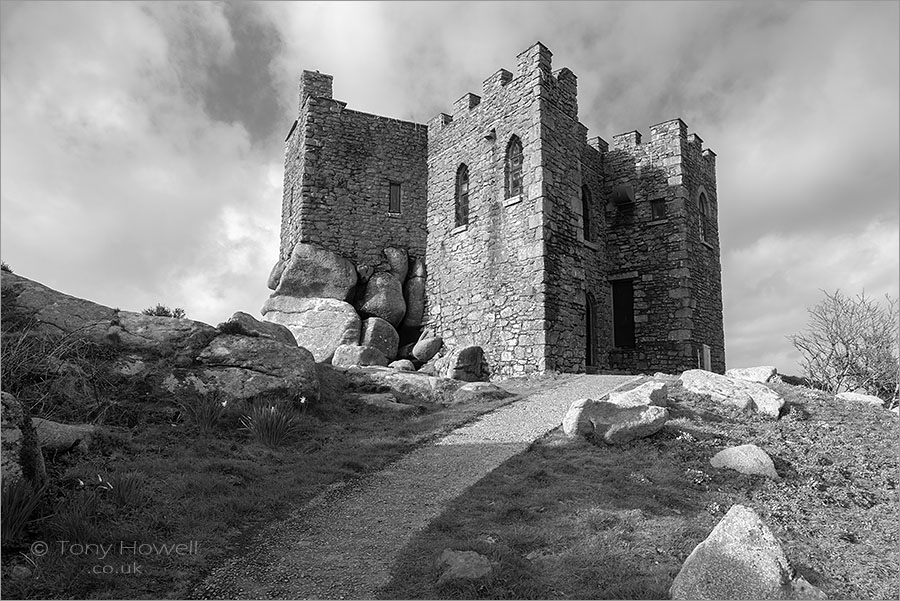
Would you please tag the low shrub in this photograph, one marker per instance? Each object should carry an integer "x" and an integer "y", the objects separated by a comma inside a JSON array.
[
  {"x": 5, "y": 267},
  {"x": 231, "y": 327},
  {"x": 269, "y": 424},
  {"x": 18, "y": 501},
  {"x": 161, "y": 310}
]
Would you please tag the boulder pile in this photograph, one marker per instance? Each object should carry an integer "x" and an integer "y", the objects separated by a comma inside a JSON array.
[{"x": 363, "y": 315}]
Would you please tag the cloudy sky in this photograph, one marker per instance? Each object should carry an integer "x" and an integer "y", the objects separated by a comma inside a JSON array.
[{"x": 141, "y": 156}]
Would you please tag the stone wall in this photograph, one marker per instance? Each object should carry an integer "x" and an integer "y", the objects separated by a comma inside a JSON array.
[
  {"x": 576, "y": 266},
  {"x": 485, "y": 279},
  {"x": 339, "y": 165},
  {"x": 516, "y": 278},
  {"x": 677, "y": 287}
]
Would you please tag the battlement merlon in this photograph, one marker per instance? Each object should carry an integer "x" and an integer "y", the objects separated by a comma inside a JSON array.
[
  {"x": 537, "y": 58},
  {"x": 673, "y": 132},
  {"x": 313, "y": 83},
  {"x": 466, "y": 104}
]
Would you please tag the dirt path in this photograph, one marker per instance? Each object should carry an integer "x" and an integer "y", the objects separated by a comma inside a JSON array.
[{"x": 343, "y": 544}]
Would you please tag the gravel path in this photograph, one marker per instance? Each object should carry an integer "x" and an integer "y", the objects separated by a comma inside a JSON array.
[{"x": 343, "y": 544}]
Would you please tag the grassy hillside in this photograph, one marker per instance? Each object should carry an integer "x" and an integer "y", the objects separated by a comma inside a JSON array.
[{"x": 572, "y": 520}]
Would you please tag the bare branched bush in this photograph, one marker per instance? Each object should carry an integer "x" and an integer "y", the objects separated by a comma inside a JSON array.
[{"x": 851, "y": 343}]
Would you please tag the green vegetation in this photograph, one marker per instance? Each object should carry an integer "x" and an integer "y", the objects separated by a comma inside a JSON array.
[
  {"x": 569, "y": 519},
  {"x": 161, "y": 310},
  {"x": 169, "y": 471},
  {"x": 18, "y": 502},
  {"x": 269, "y": 424},
  {"x": 5, "y": 267}
]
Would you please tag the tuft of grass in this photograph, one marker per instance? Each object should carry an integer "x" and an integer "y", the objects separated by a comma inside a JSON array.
[
  {"x": 18, "y": 501},
  {"x": 5, "y": 267},
  {"x": 57, "y": 376},
  {"x": 270, "y": 424},
  {"x": 126, "y": 489},
  {"x": 205, "y": 410},
  {"x": 76, "y": 517}
]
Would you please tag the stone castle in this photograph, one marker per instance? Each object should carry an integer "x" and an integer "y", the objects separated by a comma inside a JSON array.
[{"x": 549, "y": 249}]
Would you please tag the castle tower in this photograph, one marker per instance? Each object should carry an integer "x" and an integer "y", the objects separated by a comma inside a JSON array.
[
  {"x": 549, "y": 250},
  {"x": 663, "y": 244},
  {"x": 354, "y": 183}
]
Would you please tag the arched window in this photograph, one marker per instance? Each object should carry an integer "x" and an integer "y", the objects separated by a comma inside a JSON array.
[
  {"x": 513, "y": 167},
  {"x": 462, "y": 195},
  {"x": 590, "y": 352},
  {"x": 586, "y": 211},
  {"x": 704, "y": 217}
]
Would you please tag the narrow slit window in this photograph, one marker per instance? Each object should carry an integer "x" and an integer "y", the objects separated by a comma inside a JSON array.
[
  {"x": 462, "y": 196},
  {"x": 586, "y": 212},
  {"x": 394, "y": 202},
  {"x": 513, "y": 167},
  {"x": 658, "y": 208}
]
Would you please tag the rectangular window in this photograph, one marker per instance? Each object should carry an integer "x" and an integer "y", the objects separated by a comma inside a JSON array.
[
  {"x": 394, "y": 204},
  {"x": 623, "y": 313},
  {"x": 658, "y": 208}
]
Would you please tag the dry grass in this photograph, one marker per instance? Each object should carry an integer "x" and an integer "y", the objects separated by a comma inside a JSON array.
[
  {"x": 571, "y": 520},
  {"x": 216, "y": 488}
]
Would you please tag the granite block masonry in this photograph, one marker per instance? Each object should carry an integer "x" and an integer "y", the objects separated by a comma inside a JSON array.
[{"x": 549, "y": 249}]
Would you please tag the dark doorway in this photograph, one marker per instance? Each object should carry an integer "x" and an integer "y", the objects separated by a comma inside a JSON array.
[
  {"x": 623, "y": 313},
  {"x": 590, "y": 352}
]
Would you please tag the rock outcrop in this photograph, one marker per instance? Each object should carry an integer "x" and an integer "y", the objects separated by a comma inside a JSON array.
[
  {"x": 426, "y": 348},
  {"x": 734, "y": 392},
  {"x": 313, "y": 272},
  {"x": 466, "y": 364},
  {"x": 648, "y": 393},
  {"x": 478, "y": 391},
  {"x": 746, "y": 459},
  {"x": 275, "y": 274},
  {"x": 60, "y": 438},
  {"x": 381, "y": 335},
  {"x": 402, "y": 365},
  {"x": 383, "y": 297},
  {"x": 245, "y": 366},
  {"x": 20, "y": 455},
  {"x": 462, "y": 565},
  {"x": 350, "y": 355},
  {"x": 857, "y": 397},
  {"x": 398, "y": 262},
  {"x": 740, "y": 559},
  {"x": 763, "y": 373},
  {"x": 602, "y": 420},
  {"x": 247, "y": 325},
  {"x": 319, "y": 325},
  {"x": 414, "y": 293}
]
